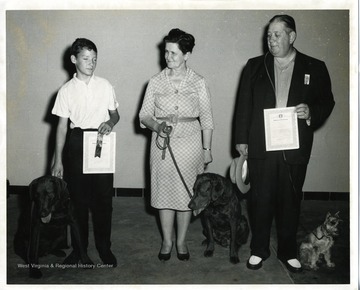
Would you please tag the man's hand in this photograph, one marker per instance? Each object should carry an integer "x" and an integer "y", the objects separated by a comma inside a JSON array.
[
  {"x": 303, "y": 111},
  {"x": 242, "y": 149}
]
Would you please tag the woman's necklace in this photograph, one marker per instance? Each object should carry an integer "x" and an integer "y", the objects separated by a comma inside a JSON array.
[{"x": 175, "y": 86}]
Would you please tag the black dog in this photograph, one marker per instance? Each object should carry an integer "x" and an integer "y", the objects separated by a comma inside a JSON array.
[
  {"x": 223, "y": 222},
  {"x": 43, "y": 225}
]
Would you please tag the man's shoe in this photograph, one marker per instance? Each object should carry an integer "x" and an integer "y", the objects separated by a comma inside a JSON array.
[
  {"x": 293, "y": 265},
  {"x": 254, "y": 263}
]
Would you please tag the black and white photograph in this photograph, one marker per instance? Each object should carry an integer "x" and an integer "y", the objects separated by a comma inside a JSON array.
[{"x": 234, "y": 156}]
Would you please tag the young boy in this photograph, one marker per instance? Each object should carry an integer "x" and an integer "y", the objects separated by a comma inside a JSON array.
[{"x": 89, "y": 102}]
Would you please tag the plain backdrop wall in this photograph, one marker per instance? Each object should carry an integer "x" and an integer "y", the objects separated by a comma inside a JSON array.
[{"x": 128, "y": 55}]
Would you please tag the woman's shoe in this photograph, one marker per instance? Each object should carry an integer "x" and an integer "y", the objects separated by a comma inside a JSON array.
[
  {"x": 183, "y": 257},
  {"x": 164, "y": 257}
]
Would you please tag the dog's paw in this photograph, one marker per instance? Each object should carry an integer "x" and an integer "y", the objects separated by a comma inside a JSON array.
[
  {"x": 35, "y": 273},
  {"x": 330, "y": 264},
  {"x": 234, "y": 260},
  {"x": 313, "y": 267},
  {"x": 209, "y": 253}
]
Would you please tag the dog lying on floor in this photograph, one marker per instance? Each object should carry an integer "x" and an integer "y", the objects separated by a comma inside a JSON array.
[
  {"x": 43, "y": 225},
  {"x": 319, "y": 242},
  {"x": 223, "y": 223}
]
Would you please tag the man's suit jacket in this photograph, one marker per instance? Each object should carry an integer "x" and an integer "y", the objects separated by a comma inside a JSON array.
[{"x": 257, "y": 93}]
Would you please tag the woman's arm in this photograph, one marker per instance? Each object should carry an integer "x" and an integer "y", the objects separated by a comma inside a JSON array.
[{"x": 207, "y": 140}]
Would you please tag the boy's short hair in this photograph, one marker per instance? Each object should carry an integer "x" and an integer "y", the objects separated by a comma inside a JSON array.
[{"x": 81, "y": 43}]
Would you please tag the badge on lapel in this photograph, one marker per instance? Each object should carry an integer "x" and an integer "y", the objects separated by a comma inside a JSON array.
[{"x": 307, "y": 79}]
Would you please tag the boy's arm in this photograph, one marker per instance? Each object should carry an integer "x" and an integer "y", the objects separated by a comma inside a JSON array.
[
  {"x": 106, "y": 127},
  {"x": 57, "y": 168}
]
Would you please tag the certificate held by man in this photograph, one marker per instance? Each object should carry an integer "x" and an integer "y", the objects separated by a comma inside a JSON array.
[{"x": 281, "y": 129}]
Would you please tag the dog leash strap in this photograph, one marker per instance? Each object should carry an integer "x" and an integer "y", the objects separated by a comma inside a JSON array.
[
  {"x": 161, "y": 147},
  {"x": 167, "y": 131},
  {"x": 317, "y": 236},
  {"x": 164, "y": 150},
  {"x": 178, "y": 170},
  {"x": 313, "y": 232}
]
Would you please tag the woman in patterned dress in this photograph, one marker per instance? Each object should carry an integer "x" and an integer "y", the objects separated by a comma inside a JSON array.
[{"x": 177, "y": 97}]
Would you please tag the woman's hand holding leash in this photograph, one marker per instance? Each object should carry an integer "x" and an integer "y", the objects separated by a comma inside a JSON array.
[{"x": 161, "y": 129}]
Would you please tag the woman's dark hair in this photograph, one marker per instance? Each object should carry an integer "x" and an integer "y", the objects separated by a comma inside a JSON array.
[
  {"x": 81, "y": 43},
  {"x": 185, "y": 41},
  {"x": 286, "y": 19}
]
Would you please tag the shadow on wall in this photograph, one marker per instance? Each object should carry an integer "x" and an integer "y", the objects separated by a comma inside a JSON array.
[
  {"x": 162, "y": 61},
  {"x": 147, "y": 134},
  {"x": 51, "y": 119},
  {"x": 232, "y": 149}
]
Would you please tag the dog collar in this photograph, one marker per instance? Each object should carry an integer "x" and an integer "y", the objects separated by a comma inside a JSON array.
[{"x": 324, "y": 231}]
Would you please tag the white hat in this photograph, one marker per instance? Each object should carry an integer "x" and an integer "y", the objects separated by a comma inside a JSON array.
[{"x": 239, "y": 173}]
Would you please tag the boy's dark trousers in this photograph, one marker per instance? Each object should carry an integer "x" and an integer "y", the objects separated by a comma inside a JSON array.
[{"x": 89, "y": 192}]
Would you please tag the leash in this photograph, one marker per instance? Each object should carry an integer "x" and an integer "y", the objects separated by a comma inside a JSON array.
[
  {"x": 167, "y": 130},
  {"x": 324, "y": 231},
  {"x": 313, "y": 232}
]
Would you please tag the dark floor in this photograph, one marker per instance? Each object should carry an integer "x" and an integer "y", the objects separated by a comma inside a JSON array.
[{"x": 136, "y": 242}]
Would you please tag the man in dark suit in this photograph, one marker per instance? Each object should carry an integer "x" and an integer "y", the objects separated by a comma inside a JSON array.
[{"x": 283, "y": 77}]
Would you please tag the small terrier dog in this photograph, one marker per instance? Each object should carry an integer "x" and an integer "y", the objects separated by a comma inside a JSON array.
[{"x": 319, "y": 242}]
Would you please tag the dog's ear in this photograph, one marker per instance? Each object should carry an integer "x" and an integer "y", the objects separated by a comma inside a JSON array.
[
  {"x": 217, "y": 188},
  {"x": 327, "y": 215},
  {"x": 33, "y": 192},
  {"x": 337, "y": 215},
  {"x": 198, "y": 181},
  {"x": 61, "y": 187}
]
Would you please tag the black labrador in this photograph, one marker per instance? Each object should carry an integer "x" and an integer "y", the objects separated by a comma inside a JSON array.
[
  {"x": 217, "y": 198},
  {"x": 43, "y": 225}
]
